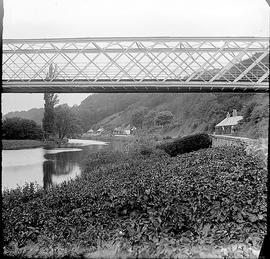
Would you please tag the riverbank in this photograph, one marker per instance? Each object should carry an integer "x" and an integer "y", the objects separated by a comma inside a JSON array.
[
  {"x": 14, "y": 144},
  {"x": 108, "y": 138},
  {"x": 144, "y": 206}
]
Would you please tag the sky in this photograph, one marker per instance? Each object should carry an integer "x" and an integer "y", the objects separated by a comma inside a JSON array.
[{"x": 100, "y": 18}]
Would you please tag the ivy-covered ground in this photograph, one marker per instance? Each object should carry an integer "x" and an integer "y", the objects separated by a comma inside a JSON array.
[{"x": 211, "y": 202}]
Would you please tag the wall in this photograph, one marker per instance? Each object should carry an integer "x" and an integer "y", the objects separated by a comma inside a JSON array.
[
  {"x": 224, "y": 140},
  {"x": 256, "y": 147}
]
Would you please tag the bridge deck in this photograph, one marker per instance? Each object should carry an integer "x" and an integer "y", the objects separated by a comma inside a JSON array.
[{"x": 154, "y": 64}]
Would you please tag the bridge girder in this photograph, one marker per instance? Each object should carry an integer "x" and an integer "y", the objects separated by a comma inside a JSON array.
[{"x": 153, "y": 64}]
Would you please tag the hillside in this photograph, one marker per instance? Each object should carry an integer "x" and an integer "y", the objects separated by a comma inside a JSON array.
[
  {"x": 197, "y": 112},
  {"x": 193, "y": 113},
  {"x": 33, "y": 114}
]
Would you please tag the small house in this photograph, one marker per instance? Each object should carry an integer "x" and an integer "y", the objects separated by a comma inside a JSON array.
[
  {"x": 100, "y": 130},
  {"x": 228, "y": 125},
  {"x": 117, "y": 130},
  {"x": 90, "y": 131},
  {"x": 132, "y": 129},
  {"x": 126, "y": 130}
]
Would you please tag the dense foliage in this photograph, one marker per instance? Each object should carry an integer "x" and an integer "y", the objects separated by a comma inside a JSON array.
[
  {"x": 215, "y": 195},
  {"x": 137, "y": 117},
  {"x": 50, "y": 100},
  {"x": 66, "y": 123},
  {"x": 186, "y": 144},
  {"x": 17, "y": 128},
  {"x": 48, "y": 122},
  {"x": 163, "y": 118}
]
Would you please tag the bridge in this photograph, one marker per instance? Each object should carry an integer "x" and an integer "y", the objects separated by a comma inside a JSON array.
[{"x": 141, "y": 64}]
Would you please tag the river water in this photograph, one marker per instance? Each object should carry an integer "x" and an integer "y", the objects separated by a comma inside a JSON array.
[{"x": 48, "y": 167}]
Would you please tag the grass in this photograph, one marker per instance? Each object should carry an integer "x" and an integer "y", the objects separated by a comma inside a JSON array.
[
  {"x": 109, "y": 138},
  {"x": 144, "y": 205},
  {"x": 10, "y": 144}
]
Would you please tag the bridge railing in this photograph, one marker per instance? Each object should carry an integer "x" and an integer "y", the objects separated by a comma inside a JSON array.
[{"x": 241, "y": 62}]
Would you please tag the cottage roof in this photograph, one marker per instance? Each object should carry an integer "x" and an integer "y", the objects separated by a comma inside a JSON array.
[{"x": 230, "y": 121}]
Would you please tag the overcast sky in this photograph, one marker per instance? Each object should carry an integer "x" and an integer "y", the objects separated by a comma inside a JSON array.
[{"x": 95, "y": 18}]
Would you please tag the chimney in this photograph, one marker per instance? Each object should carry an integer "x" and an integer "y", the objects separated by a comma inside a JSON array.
[
  {"x": 234, "y": 113},
  {"x": 228, "y": 115}
]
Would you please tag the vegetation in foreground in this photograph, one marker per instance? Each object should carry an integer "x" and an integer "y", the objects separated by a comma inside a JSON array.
[
  {"x": 149, "y": 205},
  {"x": 8, "y": 144}
]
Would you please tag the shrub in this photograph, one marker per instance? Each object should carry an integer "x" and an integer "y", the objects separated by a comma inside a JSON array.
[
  {"x": 144, "y": 146},
  {"x": 186, "y": 144},
  {"x": 163, "y": 118},
  {"x": 18, "y": 128}
]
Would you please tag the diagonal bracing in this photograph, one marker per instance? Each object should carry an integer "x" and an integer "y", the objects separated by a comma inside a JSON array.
[{"x": 129, "y": 64}]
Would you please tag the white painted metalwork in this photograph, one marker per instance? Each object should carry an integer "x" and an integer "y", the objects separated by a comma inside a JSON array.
[{"x": 152, "y": 64}]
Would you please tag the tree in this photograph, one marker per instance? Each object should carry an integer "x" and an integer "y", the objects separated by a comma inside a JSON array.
[
  {"x": 65, "y": 122},
  {"x": 137, "y": 117},
  {"x": 164, "y": 117},
  {"x": 18, "y": 128},
  {"x": 51, "y": 100},
  {"x": 150, "y": 119}
]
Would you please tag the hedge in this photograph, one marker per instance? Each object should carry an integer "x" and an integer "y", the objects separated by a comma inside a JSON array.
[{"x": 186, "y": 144}]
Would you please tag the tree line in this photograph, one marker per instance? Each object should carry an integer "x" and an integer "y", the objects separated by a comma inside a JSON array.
[{"x": 58, "y": 123}]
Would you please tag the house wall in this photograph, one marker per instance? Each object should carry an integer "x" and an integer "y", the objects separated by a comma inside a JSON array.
[
  {"x": 127, "y": 132},
  {"x": 223, "y": 130}
]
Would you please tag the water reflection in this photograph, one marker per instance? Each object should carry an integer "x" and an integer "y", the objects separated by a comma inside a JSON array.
[
  {"x": 61, "y": 164},
  {"x": 48, "y": 167},
  {"x": 47, "y": 173},
  {"x": 44, "y": 167}
]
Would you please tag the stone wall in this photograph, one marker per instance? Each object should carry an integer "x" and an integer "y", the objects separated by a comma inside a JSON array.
[
  {"x": 224, "y": 140},
  {"x": 256, "y": 147}
]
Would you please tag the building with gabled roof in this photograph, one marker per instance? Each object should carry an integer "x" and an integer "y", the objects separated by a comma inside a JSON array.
[{"x": 228, "y": 125}]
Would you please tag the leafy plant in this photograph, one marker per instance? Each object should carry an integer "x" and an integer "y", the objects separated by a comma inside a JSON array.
[
  {"x": 186, "y": 144},
  {"x": 215, "y": 196}
]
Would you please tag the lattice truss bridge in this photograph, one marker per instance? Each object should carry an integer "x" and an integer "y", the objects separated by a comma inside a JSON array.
[{"x": 135, "y": 64}]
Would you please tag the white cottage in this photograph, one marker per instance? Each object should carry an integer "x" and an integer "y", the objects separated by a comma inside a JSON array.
[{"x": 228, "y": 125}]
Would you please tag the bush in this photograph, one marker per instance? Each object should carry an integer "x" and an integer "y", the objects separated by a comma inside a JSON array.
[
  {"x": 144, "y": 146},
  {"x": 186, "y": 144},
  {"x": 18, "y": 128}
]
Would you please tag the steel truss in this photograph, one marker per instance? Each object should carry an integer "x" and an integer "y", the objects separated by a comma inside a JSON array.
[{"x": 136, "y": 64}]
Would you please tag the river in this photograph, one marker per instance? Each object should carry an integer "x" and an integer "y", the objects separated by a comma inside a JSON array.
[{"x": 47, "y": 167}]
